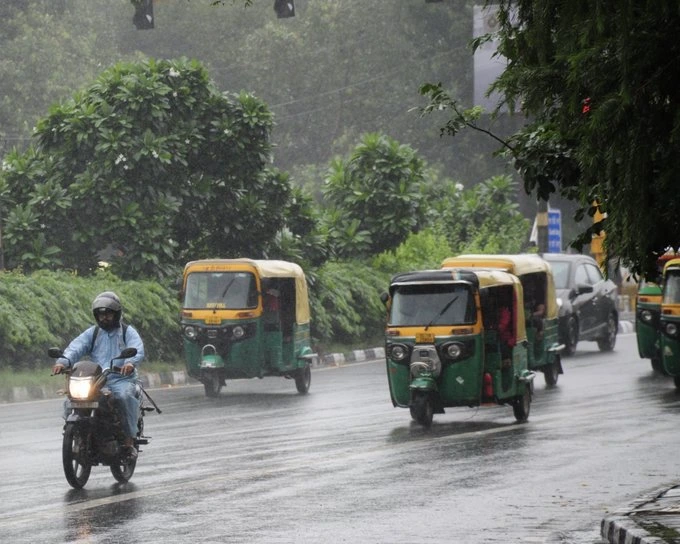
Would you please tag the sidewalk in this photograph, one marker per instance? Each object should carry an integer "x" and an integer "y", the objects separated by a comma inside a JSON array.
[{"x": 654, "y": 518}]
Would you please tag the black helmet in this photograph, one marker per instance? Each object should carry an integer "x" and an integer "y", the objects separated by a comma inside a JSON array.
[{"x": 108, "y": 300}]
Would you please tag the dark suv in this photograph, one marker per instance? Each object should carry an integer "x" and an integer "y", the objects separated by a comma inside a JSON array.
[{"x": 586, "y": 301}]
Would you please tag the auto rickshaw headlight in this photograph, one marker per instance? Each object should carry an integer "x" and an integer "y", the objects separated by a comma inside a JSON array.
[
  {"x": 398, "y": 352},
  {"x": 453, "y": 351},
  {"x": 190, "y": 332},
  {"x": 238, "y": 332},
  {"x": 671, "y": 329},
  {"x": 559, "y": 302},
  {"x": 646, "y": 316}
]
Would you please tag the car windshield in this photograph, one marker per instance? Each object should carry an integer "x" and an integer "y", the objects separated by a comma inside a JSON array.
[
  {"x": 560, "y": 273},
  {"x": 220, "y": 290},
  {"x": 671, "y": 287},
  {"x": 432, "y": 304}
]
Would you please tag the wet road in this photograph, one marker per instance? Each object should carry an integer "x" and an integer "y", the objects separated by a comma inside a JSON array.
[{"x": 262, "y": 464}]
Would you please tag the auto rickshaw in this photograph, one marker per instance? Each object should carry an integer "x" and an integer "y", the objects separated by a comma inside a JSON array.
[
  {"x": 456, "y": 337},
  {"x": 245, "y": 318},
  {"x": 540, "y": 302},
  {"x": 669, "y": 321},
  {"x": 647, "y": 313}
]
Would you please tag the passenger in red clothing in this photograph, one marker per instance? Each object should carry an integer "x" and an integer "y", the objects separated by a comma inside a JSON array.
[{"x": 506, "y": 335}]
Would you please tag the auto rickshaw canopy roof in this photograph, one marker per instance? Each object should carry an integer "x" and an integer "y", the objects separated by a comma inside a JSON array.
[
  {"x": 263, "y": 269},
  {"x": 482, "y": 278},
  {"x": 672, "y": 263},
  {"x": 519, "y": 265}
]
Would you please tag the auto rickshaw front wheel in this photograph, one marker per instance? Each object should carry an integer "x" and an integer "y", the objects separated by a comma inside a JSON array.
[
  {"x": 303, "y": 379},
  {"x": 551, "y": 372},
  {"x": 522, "y": 405},
  {"x": 422, "y": 408},
  {"x": 212, "y": 385}
]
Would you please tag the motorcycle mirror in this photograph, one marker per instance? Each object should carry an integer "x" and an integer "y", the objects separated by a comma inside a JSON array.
[
  {"x": 54, "y": 353},
  {"x": 127, "y": 353}
]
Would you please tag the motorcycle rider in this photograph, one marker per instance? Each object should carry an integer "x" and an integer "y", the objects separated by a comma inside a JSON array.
[{"x": 102, "y": 342}]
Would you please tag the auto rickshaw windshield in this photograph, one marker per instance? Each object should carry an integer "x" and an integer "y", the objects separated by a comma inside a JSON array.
[
  {"x": 220, "y": 290},
  {"x": 671, "y": 288},
  {"x": 432, "y": 304}
]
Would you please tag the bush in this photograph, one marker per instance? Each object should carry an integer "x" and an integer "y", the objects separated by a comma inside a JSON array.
[{"x": 47, "y": 309}]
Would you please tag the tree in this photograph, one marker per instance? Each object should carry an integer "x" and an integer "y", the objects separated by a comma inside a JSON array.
[
  {"x": 597, "y": 83},
  {"x": 151, "y": 161},
  {"x": 376, "y": 196}
]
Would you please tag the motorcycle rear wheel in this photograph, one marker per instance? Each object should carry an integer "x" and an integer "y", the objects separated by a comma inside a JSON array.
[
  {"x": 73, "y": 451},
  {"x": 123, "y": 469}
]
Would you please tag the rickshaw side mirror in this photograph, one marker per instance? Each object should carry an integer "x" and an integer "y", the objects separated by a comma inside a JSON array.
[{"x": 384, "y": 297}]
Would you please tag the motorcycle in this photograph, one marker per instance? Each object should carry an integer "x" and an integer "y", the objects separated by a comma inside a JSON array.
[{"x": 93, "y": 432}]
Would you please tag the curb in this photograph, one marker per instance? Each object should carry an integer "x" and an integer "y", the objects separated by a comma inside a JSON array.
[
  {"x": 621, "y": 527},
  {"x": 180, "y": 377}
]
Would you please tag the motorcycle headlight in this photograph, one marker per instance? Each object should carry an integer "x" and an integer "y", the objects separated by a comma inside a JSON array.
[
  {"x": 238, "y": 332},
  {"x": 646, "y": 316},
  {"x": 398, "y": 352},
  {"x": 80, "y": 387},
  {"x": 671, "y": 329},
  {"x": 190, "y": 332}
]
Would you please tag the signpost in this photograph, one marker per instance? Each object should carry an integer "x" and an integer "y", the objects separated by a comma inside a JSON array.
[{"x": 554, "y": 231}]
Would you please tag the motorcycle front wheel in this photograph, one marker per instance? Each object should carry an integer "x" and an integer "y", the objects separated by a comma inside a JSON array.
[{"x": 74, "y": 457}]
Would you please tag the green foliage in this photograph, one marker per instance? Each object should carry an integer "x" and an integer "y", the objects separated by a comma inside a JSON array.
[
  {"x": 47, "y": 309},
  {"x": 482, "y": 219},
  {"x": 599, "y": 81},
  {"x": 152, "y": 161},
  {"x": 377, "y": 197},
  {"x": 345, "y": 302},
  {"x": 423, "y": 250}
]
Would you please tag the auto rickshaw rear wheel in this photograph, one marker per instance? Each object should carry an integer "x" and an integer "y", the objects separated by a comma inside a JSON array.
[
  {"x": 552, "y": 373},
  {"x": 303, "y": 379},
  {"x": 522, "y": 405},
  {"x": 422, "y": 408}
]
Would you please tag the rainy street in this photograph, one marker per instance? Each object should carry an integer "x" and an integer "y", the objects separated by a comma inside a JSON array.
[{"x": 264, "y": 464}]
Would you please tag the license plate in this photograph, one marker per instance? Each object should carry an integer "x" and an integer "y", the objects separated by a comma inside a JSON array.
[
  {"x": 84, "y": 404},
  {"x": 424, "y": 338},
  {"x": 213, "y": 320}
]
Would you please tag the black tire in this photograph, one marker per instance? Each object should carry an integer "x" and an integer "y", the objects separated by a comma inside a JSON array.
[
  {"x": 74, "y": 457},
  {"x": 522, "y": 406},
  {"x": 422, "y": 409},
  {"x": 676, "y": 381},
  {"x": 608, "y": 342},
  {"x": 657, "y": 366},
  {"x": 571, "y": 336},
  {"x": 212, "y": 385},
  {"x": 303, "y": 379},
  {"x": 551, "y": 372},
  {"x": 124, "y": 469}
]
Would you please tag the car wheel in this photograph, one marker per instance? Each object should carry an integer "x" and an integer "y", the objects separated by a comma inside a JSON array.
[
  {"x": 571, "y": 336},
  {"x": 608, "y": 342}
]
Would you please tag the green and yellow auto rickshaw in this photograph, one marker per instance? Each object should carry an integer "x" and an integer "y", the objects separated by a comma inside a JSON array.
[
  {"x": 647, "y": 312},
  {"x": 669, "y": 321},
  {"x": 540, "y": 300},
  {"x": 456, "y": 337},
  {"x": 245, "y": 318}
]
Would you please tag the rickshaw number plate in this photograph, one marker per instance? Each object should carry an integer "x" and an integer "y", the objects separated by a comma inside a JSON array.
[
  {"x": 424, "y": 337},
  {"x": 213, "y": 320},
  {"x": 84, "y": 404}
]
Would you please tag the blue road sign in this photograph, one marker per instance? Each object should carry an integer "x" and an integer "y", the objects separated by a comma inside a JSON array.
[{"x": 554, "y": 231}]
